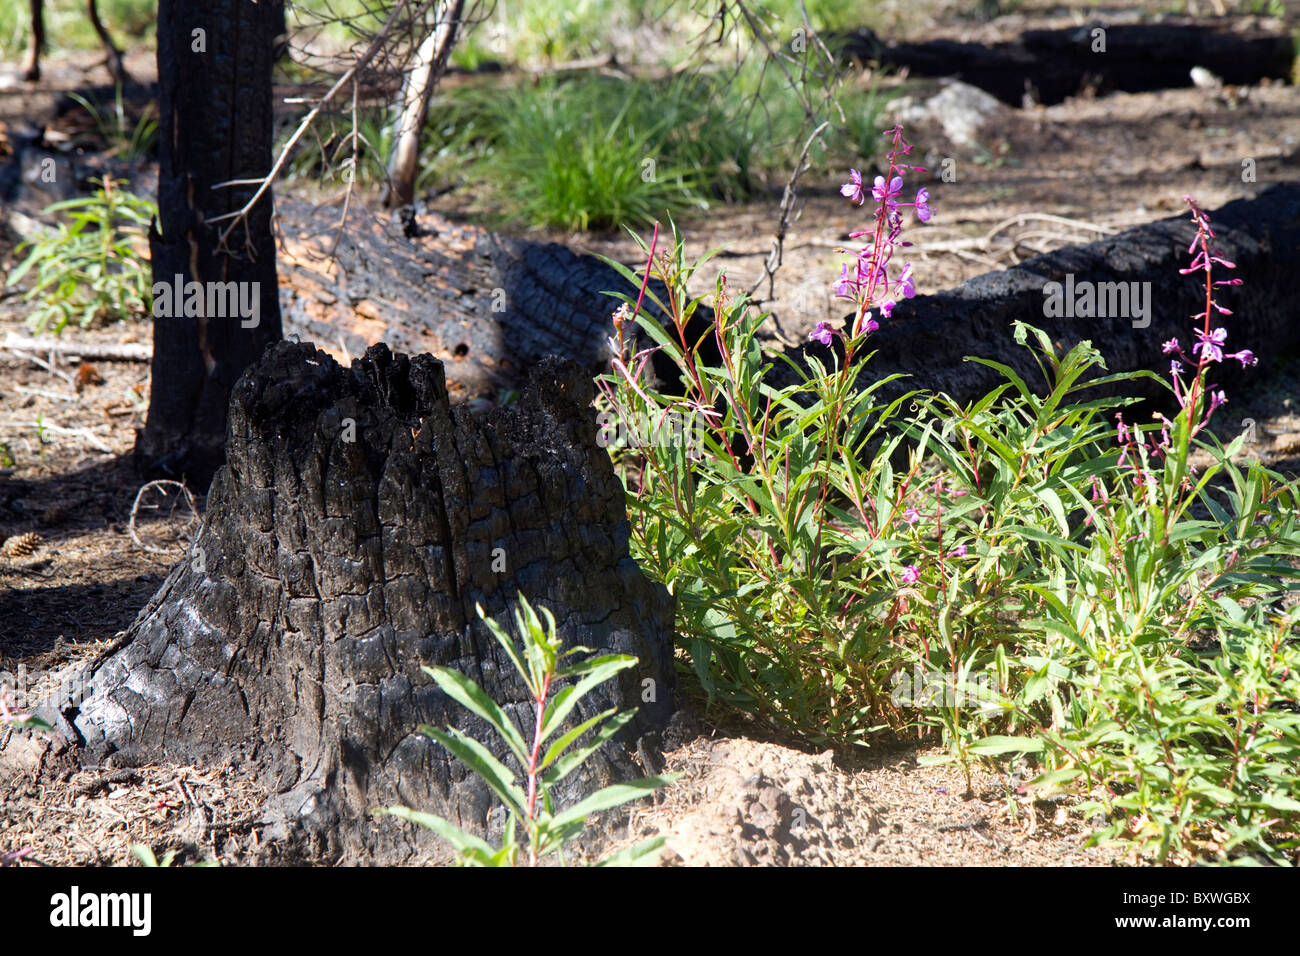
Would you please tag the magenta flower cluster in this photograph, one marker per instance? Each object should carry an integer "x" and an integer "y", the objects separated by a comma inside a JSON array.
[
  {"x": 1210, "y": 342},
  {"x": 869, "y": 279},
  {"x": 1208, "y": 350}
]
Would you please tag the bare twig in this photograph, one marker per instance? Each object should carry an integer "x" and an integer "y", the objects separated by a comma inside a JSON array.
[
  {"x": 773, "y": 261},
  {"x": 375, "y": 46},
  {"x": 135, "y": 508},
  {"x": 48, "y": 366}
]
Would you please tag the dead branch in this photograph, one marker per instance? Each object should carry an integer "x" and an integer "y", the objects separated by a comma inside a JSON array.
[{"x": 128, "y": 352}]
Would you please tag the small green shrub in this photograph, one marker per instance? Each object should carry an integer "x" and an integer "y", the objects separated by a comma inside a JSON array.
[
  {"x": 93, "y": 268},
  {"x": 531, "y": 809}
]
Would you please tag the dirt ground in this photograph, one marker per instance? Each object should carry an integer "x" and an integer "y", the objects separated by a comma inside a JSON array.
[{"x": 1039, "y": 178}]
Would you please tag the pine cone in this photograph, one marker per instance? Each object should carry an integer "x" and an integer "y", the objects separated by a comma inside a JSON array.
[{"x": 21, "y": 545}]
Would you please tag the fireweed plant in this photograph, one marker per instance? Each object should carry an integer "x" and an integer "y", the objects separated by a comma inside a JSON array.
[
  {"x": 1028, "y": 575},
  {"x": 557, "y": 680}
]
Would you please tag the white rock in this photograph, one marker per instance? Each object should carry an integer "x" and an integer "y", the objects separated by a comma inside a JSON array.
[
  {"x": 963, "y": 111},
  {"x": 1204, "y": 79}
]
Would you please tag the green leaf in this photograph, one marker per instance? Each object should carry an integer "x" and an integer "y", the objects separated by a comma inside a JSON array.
[
  {"x": 144, "y": 854},
  {"x": 1053, "y": 779},
  {"x": 599, "y": 670},
  {"x": 570, "y": 762},
  {"x": 472, "y": 697},
  {"x": 642, "y": 854},
  {"x": 567, "y": 738},
  {"x": 506, "y": 643},
  {"x": 613, "y": 796},
  {"x": 461, "y": 841},
  {"x": 479, "y": 759},
  {"x": 996, "y": 745}
]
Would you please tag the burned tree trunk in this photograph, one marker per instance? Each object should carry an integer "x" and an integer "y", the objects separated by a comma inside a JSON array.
[
  {"x": 357, "y": 522},
  {"x": 214, "y": 79}
]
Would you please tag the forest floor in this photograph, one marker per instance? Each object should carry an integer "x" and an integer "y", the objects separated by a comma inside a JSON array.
[{"x": 1038, "y": 178}]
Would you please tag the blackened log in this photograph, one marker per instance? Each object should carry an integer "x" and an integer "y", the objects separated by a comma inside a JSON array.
[
  {"x": 1056, "y": 64},
  {"x": 928, "y": 336},
  {"x": 488, "y": 305},
  {"x": 328, "y": 570}
]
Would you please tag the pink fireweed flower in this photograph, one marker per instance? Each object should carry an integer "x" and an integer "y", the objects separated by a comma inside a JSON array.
[
  {"x": 882, "y": 194},
  {"x": 1171, "y": 347},
  {"x": 1245, "y": 357},
  {"x": 911, "y": 516},
  {"x": 847, "y": 286},
  {"x": 868, "y": 280},
  {"x": 922, "y": 204},
  {"x": 958, "y": 552},
  {"x": 904, "y": 284},
  {"x": 1211, "y": 343},
  {"x": 911, "y": 575},
  {"x": 823, "y": 333},
  {"x": 853, "y": 189}
]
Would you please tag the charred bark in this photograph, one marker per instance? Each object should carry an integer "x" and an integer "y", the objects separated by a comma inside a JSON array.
[
  {"x": 358, "y": 520},
  {"x": 214, "y": 69}
]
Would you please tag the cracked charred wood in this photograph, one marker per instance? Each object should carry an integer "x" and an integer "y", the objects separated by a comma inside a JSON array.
[
  {"x": 358, "y": 520},
  {"x": 1055, "y": 64},
  {"x": 928, "y": 337},
  {"x": 214, "y": 127},
  {"x": 486, "y": 304}
]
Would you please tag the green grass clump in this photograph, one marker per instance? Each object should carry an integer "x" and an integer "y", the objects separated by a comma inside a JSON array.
[{"x": 595, "y": 151}]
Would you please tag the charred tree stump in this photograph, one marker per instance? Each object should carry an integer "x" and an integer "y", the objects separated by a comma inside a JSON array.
[{"x": 356, "y": 523}]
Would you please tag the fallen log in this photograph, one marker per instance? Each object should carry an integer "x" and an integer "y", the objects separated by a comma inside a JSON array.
[
  {"x": 488, "y": 305},
  {"x": 1052, "y": 65},
  {"x": 358, "y": 520},
  {"x": 928, "y": 337}
]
